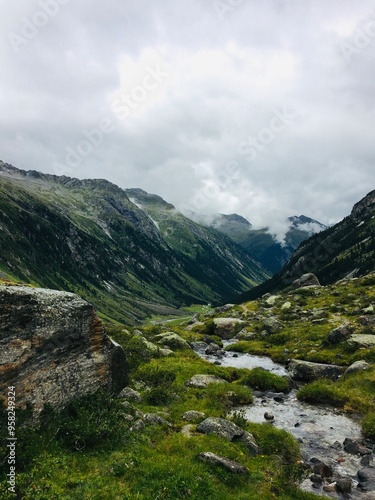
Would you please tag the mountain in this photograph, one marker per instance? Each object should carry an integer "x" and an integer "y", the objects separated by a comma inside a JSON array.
[
  {"x": 345, "y": 250},
  {"x": 260, "y": 243},
  {"x": 88, "y": 237}
]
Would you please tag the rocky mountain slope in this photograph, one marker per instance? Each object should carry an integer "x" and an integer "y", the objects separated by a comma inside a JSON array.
[
  {"x": 88, "y": 237},
  {"x": 260, "y": 243},
  {"x": 344, "y": 250}
]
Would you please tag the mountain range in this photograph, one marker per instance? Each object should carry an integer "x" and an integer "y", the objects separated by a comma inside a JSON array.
[{"x": 129, "y": 253}]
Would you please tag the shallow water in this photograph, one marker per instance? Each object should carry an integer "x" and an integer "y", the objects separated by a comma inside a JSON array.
[{"x": 320, "y": 429}]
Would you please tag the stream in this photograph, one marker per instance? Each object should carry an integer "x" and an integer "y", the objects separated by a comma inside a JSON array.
[{"x": 319, "y": 429}]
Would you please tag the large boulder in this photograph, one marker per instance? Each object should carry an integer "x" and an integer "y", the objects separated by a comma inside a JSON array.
[
  {"x": 359, "y": 340},
  {"x": 308, "y": 279},
  {"x": 227, "y": 328},
  {"x": 307, "y": 371},
  {"x": 220, "y": 427},
  {"x": 339, "y": 334},
  {"x": 357, "y": 366},
  {"x": 53, "y": 348},
  {"x": 172, "y": 340}
]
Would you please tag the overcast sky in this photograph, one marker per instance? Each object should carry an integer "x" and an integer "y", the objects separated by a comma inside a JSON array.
[{"x": 260, "y": 107}]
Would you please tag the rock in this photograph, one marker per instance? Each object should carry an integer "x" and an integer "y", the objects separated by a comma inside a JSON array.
[
  {"x": 212, "y": 349},
  {"x": 367, "y": 320},
  {"x": 320, "y": 468},
  {"x": 250, "y": 443},
  {"x": 316, "y": 478},
  {"x": 338, "y": 335},
  {"x": 361, "y": 340},
  {"x": 220, "y": 427},
  {"x": 366, "y": 479},
  {"x": 271, "y": 301},
  {"x": 166, "y": 352},
  {"x": 308, "y": 279},
  {"x": 193, "y": 415},
  {"x": 128, "y": 393},
  {"x": 269, "y": 416},
  {"x": 330, "y": 488},
  {"x": 286, "y": 306},
  {"x": 368, "y": 310},
  {"x": 53, "y": 348},
  {"x": 172, "y": 340},
  {"x": 344, "y": 485},
  {"x": 138, "y": 426},
  {"x": 355, "y": 447},
  {"x": 154, "y": 419},
  {"x": 199, "y": 346},
  {"x": 201, "y": 381},
  {"x": 228, "y": 464},
  {"x": 245, "y": 335},
  {"x": 357, "y": 366},
  {"x": 227, "y": 328},
  {"x": 272, "y": 325},
  {"x": 307, "y": 371},
  {"x": 188, "y": 430}
]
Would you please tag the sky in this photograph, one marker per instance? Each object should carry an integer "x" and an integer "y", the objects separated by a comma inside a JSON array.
[{"x": 259, "y": 107}]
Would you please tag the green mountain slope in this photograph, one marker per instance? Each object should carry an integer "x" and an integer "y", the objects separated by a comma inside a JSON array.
[
  {"x": 345, "y": 250},
  {"x": 88, "y": 237}
]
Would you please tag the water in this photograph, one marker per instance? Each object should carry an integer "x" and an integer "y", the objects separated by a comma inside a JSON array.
[{"x": 320, "y": 429}]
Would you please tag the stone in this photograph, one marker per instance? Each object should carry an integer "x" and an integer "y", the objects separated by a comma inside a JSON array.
[
  {"x": 355, "y": 447},
  {"x": 245, "y": 335},
  {"x": 166, "y": 352},
  {"x": 269, "y": 416},
  {"x": 361, "y": 340},
  {"x": 220, "y": 427},
  {"x": 201, "y": 381},
  {"x": 338, "y": 335},
  {"x": 306, "y": 371},
  {"x": 212, "y": 349},
  {"x": 320, "y": 468},
  {"x": 224, "y": 462},
  {"x": 188, "y": 430},
  {"x": 308, "y": 279},
  {"x": 271, "y": 301},
  {"x": 193, "y": 415},
  {"x": 344, "y": 485},
  {"x": 138, "y": 426},
  {"x": 272, "y": 325},
  {"x": 172, "y": 340},
  {"x": 248, "y": 439},
  {"x": 227, "y": 328},
  {"x": 286, "y": 306},
  {"x": 199, "y": 346},
  {"x": 53, "y": 348},
  {"x": 128, "y": 393},
  {"x": 357, "y": 366},
  {"x": 154, "y": 419},
  {"x": 366, "y": 479}
]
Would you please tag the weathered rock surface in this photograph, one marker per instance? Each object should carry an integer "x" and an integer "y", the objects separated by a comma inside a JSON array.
[
  {"x": 366, "y": 478},
  {"x": 200, "y": 381},
  {"x": 172, "y": 340},
  {"x": 228, "y": 464},
  {"x": 53, "y": 347},
  {"x": 362, "y": 340},
  {"x": 193, "y": 415},
  {"x": 220, "y": 427},
  {"x": 226, "y": 328},
  {"x": 308, "y": 279},
  {"x": 357, "y": 366},
  {"x": 339, "y": 334},
  {"x": 130, "y": 394},
  {"x": 307, "y": 371}
]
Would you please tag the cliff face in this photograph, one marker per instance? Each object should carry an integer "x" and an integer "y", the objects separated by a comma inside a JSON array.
[{"x": 53, "y": 347}]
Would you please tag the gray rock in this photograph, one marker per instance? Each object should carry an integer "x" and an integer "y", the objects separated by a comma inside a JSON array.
[
  {"x": 212, "y": 349},
  {"x": 245, "y": 335},
  {"x": 271, "y": 301},
  {"x": 53, "y": 348},
  {"x": 220, "y": 427},
  {"x": 355, "y": 447},
  {"x": 357, "y": 366},
  {"x": 138, "y": 426},
  {"x": 154, "y": 419},
  {"x": 227, "y": 328},
  {"x": 228, "y": 464},
  {"x": 339, "y": 334},
  {"x": 130, "y": 394},
  {"x": 199, "y": 346},
  {"x": 272, "y": 325},
  {"x": 172, "y": 340},
  {"x": 193, "y": 415},
  {"x": 165, "y": 352},
  {"x": 307, "y": 371},
  {"x": 308, "y": 279},
  {"x": 344, "y": 485},
  {"x": 320, "y": 468},
  {"x": 366, "y": 479},
  {"x": 362, "y": 340},
  {"x": 251, "y": 444},
  {"x": 201, "y": 381}
]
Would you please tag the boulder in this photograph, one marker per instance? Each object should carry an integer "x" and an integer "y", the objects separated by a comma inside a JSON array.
[
  {"x": 201, "y": 381},
  {"x": 130, "y": 394},
  {"x": 357, "y": 366},
  {"x": 154, "y": 419},
  {"x": 199, "y": 346},
  {"x": 359, "y": 340},
  {"x": 220, "y": 427},
  {"x": 245, "y": 335},
  {"x": 53, "y": 348},
  {"x": 191, "y": 415},
  {"x": 228, "y": 464},
  {"x": 271, "y": 301},
  {"x": 366, "y": 479},
  {"x": 172, "y": 340},
  {"x": 272, "y": 325},
  {"x": 306, "y": 371},
  {"x": 338, "y": 335},
  {"x": 212, "y": 349},
  {"x": 250, "y": 443},
  {"x": 227, "y": 328},
  {"x": 308, "y": 279}
]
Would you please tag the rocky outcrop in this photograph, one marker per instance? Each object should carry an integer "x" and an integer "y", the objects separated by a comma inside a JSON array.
[
  {"x": 53, "y": 348},
  {"x": 308, "y": 279},
  {"x": 307, "y": 371}
]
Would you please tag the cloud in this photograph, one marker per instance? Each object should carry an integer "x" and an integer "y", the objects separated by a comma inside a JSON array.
[{"x": 210, "y": 133}]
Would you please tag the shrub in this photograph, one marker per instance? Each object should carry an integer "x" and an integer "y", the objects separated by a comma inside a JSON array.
[{"x": 263, "y": 380}]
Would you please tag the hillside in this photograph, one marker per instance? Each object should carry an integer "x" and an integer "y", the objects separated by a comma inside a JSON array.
[
  {"x": 260, "y": 243},
  {"x": 88, "y": 237},
  {"x": 344, "y": 250}
]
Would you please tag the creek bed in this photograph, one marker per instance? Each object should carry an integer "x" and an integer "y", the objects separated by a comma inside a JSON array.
[{"x": 319, "y": 429}]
